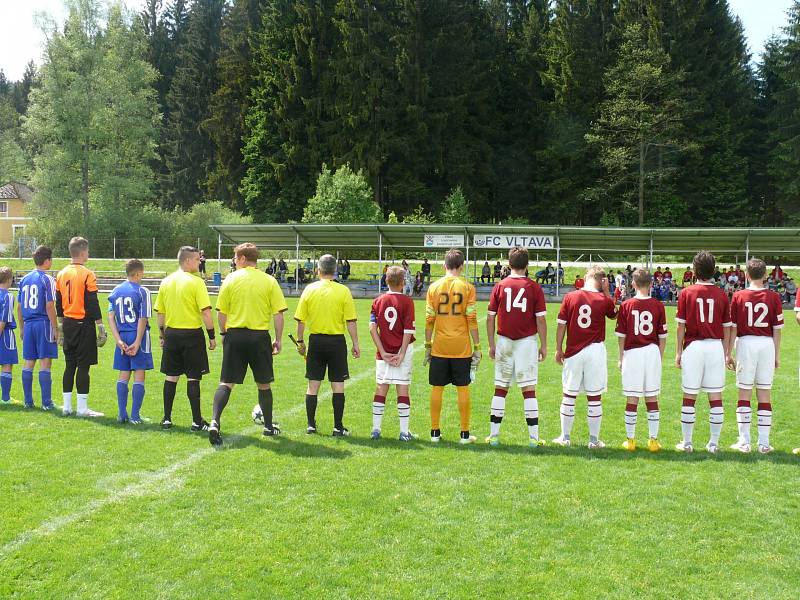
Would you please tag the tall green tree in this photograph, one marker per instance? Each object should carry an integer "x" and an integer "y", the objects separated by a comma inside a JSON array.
[
  {"x": 639, "y": 129},
  {"x": 23, "y": 88},
  {"x": 188, "y": 149},
  {"x": 229, "y": 104},
  {"x": 92, "y": 120},
  {"x": 343, "y": 196}
]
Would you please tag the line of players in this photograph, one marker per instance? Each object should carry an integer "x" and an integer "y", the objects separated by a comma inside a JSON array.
[{"x": 66, "y": 311}]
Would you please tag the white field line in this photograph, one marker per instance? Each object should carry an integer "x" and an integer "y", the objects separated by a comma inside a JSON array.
[{"x": 149, "y": 483}]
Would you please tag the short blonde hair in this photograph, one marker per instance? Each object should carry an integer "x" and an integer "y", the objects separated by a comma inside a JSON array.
[
  {"x": 596, "y": 272},
  {"x": 78, "y": 245},
  {"x": 6, "y": 274},
  {"x": 395, "y": 276}
]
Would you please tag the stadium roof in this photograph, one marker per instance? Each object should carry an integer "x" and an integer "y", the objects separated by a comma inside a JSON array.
[{"x": 540, "y": 238}]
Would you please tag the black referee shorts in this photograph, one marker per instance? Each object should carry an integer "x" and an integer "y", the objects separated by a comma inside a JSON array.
[
  {"x": 327, "y": 352},
  {"x": 444, "y": 371},
  {"x": 184, "y": 353},
  {"x": 242, "y": 348},
  {"x": 80, "y": 342}
]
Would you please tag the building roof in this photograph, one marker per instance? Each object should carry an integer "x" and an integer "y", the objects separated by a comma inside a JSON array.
[
  {"x": 617, "y": 241},
  {"x": 14, "y": 190}
]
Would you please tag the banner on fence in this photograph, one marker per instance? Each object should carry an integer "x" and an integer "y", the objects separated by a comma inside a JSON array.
[
  {"x": 443, "y": 241},
  {"x": 499, "y": 241}
]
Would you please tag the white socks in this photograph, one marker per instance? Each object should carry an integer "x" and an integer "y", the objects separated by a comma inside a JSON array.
[
  {"x": 715, "y": 418},
  {"x": 630, "y": 420},
  {"x": 687, "y": 420},
  {"x": 764, "y": 423},
  {"x": 531, "y": 406},
  {"x": 744, "y": 415},
  {"x": 567, "y": 415},
  {"x": 594, "y": 415},
  {"x": 404, "y": 412},
  {"x": 67, "y": 402}
]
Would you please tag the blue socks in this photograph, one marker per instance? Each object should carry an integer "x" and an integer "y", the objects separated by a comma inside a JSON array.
[
  {"x": 27, "y": 387},
  {"x": 46, "y": 386},
  {"x": 138, "y": 398},
  {"x": 5, "y": 386},
  {"x": 122, "y": 400}
]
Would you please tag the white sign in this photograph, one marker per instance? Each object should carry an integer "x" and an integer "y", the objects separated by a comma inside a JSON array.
[
  {"x": 443, "y": 241},
  {"x": 532, "y": 242}
]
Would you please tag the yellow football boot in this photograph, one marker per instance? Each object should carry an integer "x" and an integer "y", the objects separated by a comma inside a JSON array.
[
  {"x": 629, "y": 444},
  {"x": 653, "y": 445}
]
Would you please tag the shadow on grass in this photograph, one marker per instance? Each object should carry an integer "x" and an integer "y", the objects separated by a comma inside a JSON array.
[{"x": 283, "y": 445}]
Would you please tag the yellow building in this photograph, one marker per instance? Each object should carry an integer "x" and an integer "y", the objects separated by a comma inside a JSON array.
[{"x": 13, "y": 219}]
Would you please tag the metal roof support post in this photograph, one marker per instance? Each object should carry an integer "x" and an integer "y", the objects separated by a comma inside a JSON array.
[
  {"x": 466, "y": 244},
  {"x": 650, "y": 264},
  {"x": 380, "y": 260},
  {"x": 747, "y": 247},
  {"x": 219, "y": 253},
  {"x": 297, "y": 266},
  {"x": 558, "y": 261}
]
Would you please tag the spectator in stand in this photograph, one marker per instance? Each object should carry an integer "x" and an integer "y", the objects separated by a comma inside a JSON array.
[
  {"x": 667, "y": 274},
  {"x": 300, "y": 274},
  {"x": 498, "y": 270},
  {"x": 579, "y": 282},
  {"x": 408, "y": 280},
  {"x": 419, "y": 282},
  {"x": 339, "y": 270},
  {"x": 560, "y": 274},
  {"x": 426, "y": 270},
  {"x": 202, "y": 270},
  {"x": 740, "y": 274},
  {"x": 781, "y": 289},
  {"x": 688, "y": 277},
  {"x": 486, "y": 273},
  {"x": 717, "y": 276},
  {"x": 505, "y": 272},
  {"x": 733, "y": 278},
  {"x": 777, "y": 272},
  {"x": 541, "y": 276},
  {"x": 346, "y": 269},
  {"x": 672, "y": 291},
  {"x": 233, "y": 265},
  {"x": 308, "y": 267},
  {"x": 282, "y": 269},
  {"x": 791, "y": 291},
  {"x": 730, "y": 288},
  {"x": 272, "y": 268},
  {"x": 550, "y": 273},
  {"x": 658, "y": 273},
  {"x": 619, "y": 280}
]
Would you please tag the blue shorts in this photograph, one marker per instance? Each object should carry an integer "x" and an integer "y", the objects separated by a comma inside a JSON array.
[
  {"x": 141, "y": 361},
  {"x": 38, "y": 341},
  {"x": 8, "y": 348}
]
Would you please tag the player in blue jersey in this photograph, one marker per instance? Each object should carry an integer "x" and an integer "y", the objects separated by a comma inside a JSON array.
[
  {"x": 129, "y": 311},
  {"x": 8, "y": 339},
  {"x": 38, "y": 327}
]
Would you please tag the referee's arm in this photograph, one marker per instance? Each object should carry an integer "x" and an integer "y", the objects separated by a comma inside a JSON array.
[{"x": 208, "y": 322}]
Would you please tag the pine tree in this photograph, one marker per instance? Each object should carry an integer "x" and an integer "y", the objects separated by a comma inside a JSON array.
[
  {"x": 23, "y": 88},
  {"x": 639, "y": 129},
  {"x": 229, "y": 104},
  {"x": 188, "y": 150}
]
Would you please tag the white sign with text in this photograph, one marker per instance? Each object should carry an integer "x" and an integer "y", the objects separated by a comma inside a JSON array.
[
  {"x": 531, "y": 242},
  {"x": 447, "y": 240}
]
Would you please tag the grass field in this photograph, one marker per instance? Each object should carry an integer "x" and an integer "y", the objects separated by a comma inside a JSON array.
[{"x": 93, "y": 509}]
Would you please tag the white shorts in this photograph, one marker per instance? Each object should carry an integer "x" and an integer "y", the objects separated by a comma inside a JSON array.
[
  {"x": 703, "y": 367},
  {"x": 516, "y": 360},
  {"x": 641, "y": 372},
  {"x": 586, "y": 371},
  {"x": 755, "y": 362},
  {"x": 400, "y": 375}
]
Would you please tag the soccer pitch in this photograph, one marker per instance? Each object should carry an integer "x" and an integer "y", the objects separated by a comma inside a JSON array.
[{"x": 100, "y": 510}]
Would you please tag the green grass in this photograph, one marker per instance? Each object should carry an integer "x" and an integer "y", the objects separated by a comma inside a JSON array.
[{"x": 93, "y": 509}]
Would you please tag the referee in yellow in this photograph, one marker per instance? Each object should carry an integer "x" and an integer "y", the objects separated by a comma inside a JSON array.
[
  {"x": 248, "y": 300},
  {"x": 183, "y": 310},
  {"x": 326, "y": 308}
]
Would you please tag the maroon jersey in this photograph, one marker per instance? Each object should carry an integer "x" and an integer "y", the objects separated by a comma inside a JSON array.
[
  {"x": 797, "y": 302},
  {"x": 756, "y": 312},
  {"x": 705, "y": 310},
  {"x": 642, "y": 321},
  {"x": 517, "y": 301},
  {"x": 393, "y": 313},
  {"x": 584, "y": 313}
]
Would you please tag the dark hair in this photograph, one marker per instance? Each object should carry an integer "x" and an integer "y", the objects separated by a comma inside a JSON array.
[
  {"x": 184, "y": 253},
  {"x": 642, "y": 278},
  {"x": 248, "y": 250},
  {"x": 518, "y": 258},
  {"x": 41, "y": 255},
  {"x": 704, "y": 265},
  {"x": 134, "y": 265},
  {"x": 454, "y": 259},
  {"x": 756, "y": 269}
]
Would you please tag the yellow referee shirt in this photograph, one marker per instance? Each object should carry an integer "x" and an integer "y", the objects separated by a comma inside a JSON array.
[
  {"x": 249, "y": 297},
  {"x": 451, "y": 312},
  {"x": 181, "y": 298},
  {"x": 325, "y": 307}
]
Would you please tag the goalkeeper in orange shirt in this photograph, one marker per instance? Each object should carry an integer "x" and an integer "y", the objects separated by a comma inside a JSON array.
[{"x": 452, "y": 344}]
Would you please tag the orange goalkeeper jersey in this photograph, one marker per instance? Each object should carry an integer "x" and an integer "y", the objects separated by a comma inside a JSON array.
[
  {"x": 76, "y": 293},
  {"x": 451, "y": 312}
]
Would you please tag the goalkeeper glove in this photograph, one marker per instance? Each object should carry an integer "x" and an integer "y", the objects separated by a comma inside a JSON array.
[
  {"x": 476, "y": 356},
  {"x": 102, "y": 336},
  {"x": 428, "y": 352}
]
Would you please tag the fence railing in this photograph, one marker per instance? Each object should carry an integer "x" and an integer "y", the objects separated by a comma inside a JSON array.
[{"x": 113, "y": 248}]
